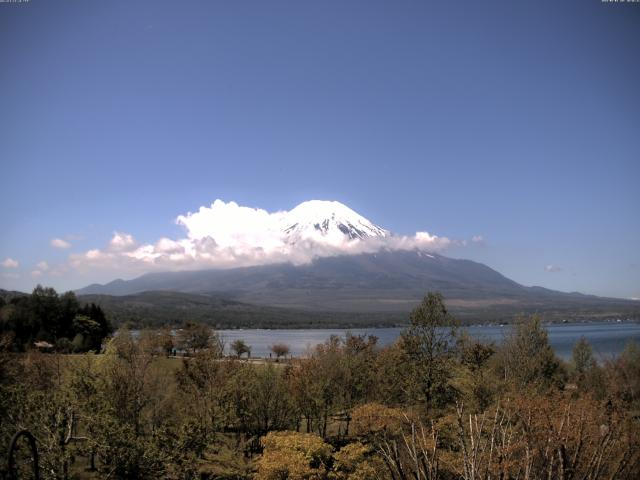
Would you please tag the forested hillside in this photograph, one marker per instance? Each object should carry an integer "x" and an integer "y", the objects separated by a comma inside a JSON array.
[{"x": 437, "y": 404}]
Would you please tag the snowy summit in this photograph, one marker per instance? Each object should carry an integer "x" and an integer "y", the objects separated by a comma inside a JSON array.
[{"x": 327, "y": 222}]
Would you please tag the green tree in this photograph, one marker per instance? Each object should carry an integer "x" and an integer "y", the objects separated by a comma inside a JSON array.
[
  {"x": 429, "y": 345},
  {"x": 526, "y": 357},
  {"x": 202, "y": 380},
  {"x": 582, "y": 358},
  {"x": 96, "y": 313},
  {"x": 196, "y": 336},
  {"x": 239, "y": 347},
  {"x": 44, "y": 307},
  {"x": 88, "y": 334}
]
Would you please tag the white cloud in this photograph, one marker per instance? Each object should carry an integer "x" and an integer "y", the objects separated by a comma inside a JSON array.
[
  {"x": 477, "y": 239},
  {"x": 41, "y": 267},
  {"x": 10, "y": 263},
  {"x": 553, "y": 268},
  {"x": 225, "y": 235},
  {"x": 122, "y": 242},
  {"x": 60, "y": 243}
]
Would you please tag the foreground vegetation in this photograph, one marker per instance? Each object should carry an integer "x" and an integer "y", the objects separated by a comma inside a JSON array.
[{"x": 437, "y": 404}]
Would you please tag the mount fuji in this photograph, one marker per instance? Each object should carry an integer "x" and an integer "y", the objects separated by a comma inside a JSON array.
[
  {"x": 365, "y": 269},
  {"x": 328, "y": 222}
]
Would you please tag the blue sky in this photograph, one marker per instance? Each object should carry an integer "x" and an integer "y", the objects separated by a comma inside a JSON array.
[{"x": 516, "y": 121}]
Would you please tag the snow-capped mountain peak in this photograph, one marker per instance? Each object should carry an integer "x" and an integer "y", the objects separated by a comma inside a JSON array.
[{"x": 328, "y": 222}]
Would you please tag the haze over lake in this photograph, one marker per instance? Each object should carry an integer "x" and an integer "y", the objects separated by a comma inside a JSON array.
[{"x": 606, "y": 338}]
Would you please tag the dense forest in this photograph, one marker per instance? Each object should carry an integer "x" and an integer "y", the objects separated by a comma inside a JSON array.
[
  {"x": 54, "y": 321},
  {"x": 437, "y": 404},
  {"x": 155, "y": 309}
]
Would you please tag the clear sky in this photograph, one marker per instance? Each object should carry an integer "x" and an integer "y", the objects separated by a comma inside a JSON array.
[{"x": 515, "y": 121}]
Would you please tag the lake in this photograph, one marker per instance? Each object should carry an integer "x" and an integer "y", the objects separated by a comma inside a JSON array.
[{"x": 606, "y": 338}]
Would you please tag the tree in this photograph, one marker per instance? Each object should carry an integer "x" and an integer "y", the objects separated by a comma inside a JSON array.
[
  {"x": 428, "y": 342},
  {"x": 96, "y": 313},
  {"x": 582, "y": 361},
  {"x": 239, "y": 347},
  {"x": 196, "y": 336},
  {"x": 44, "y": 307},
  {"x": 293, "y": 456},
  {"x": 582, "y": 356},
  {"x": 202, "y": 380},
  {"x": 280, "y": 350},
  {"x": 623, "y": 374},
  {"x": 88, "y": 334},
  {"x": 357, "y": 461},
  {"x": 475, "y": 355},
  {"x": 550, "y": 435},
  {"x": 270, "y": 406},
  {"x": 392, "y": 380},
  {"x": 526, "y": 357},
  {"x": 166, "y": 341}
]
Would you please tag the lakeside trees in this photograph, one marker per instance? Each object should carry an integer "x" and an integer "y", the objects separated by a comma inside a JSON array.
[{"x": 435, "y": 405}]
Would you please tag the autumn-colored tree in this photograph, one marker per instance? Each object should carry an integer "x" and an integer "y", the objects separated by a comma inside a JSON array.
[
  {"x": 373, "y": 419},
  {"x": 393, "y": 381},
  {"x": 623, "y": 376},
  {"x": 293, "y": 456},
  {"x": 357, "y": 461},
  {"x": 474, "y": 379},
  {"x": 305, "y": 390},
  {"x": 280, "y": 350}
]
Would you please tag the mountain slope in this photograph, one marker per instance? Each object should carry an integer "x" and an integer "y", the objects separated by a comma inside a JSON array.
[
  {"x": 384, "y": 282},
  {"x": 399, "y": 271}
]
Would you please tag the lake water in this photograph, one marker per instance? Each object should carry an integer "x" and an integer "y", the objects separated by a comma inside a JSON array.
[{"x": 607, "y": 339}]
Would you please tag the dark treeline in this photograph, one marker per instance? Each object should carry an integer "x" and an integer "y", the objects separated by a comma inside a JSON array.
[
  {"x": 437, "y": 404},
  {"x": 159, "y": 308},
  {"x": 57, "y": 320}
]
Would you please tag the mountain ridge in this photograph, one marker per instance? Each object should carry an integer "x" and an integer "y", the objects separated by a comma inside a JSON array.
[{"x": 384, "y": 282}]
